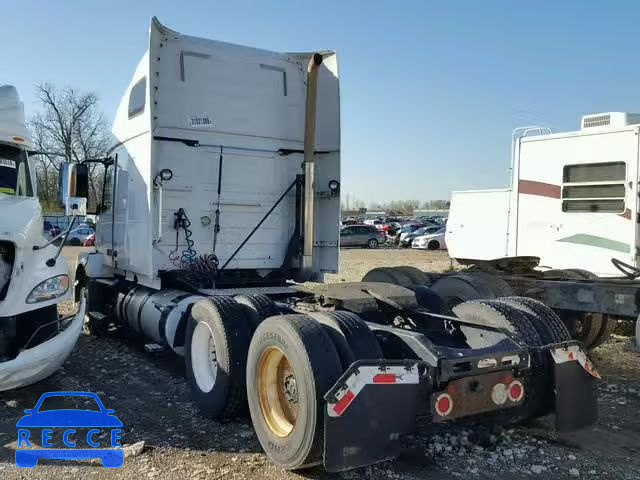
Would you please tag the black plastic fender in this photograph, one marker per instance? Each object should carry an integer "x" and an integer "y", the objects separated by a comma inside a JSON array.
[
  {"x": 576, "y": 400},
  {"x": 369, "y": 409}
]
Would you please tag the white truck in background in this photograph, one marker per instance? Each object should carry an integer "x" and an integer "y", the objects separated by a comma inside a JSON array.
[
  {"x": 34, "y": 279},
  {"x": 573, "y": 204}
]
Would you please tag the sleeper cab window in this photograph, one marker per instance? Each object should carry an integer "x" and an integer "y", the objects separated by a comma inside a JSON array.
[{"x": 137, "y": 98}]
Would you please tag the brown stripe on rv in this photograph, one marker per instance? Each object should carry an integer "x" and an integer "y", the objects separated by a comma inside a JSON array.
[{"x": 539, "y": 188}]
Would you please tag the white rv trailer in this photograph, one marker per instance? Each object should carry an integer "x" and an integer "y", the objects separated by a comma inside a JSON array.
[
  {"x": 573, "y": 201},
  {"x": 574, "y": 204},
  {"x": 222, "y": 189}
]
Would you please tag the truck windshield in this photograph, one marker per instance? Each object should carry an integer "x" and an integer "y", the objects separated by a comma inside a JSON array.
[{"x": 14, "y": 172}]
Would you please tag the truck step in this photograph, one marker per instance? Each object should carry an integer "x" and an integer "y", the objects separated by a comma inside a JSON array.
[
  {"x": 97, "y": 316},
  {"x": 153, "y": 348}
]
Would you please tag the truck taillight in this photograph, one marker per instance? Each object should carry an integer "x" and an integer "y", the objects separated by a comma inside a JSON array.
[
  {"x": 444, "y": 404},
  {"x": 499, "y": 393},
  {"x": 516, "y": 391}
]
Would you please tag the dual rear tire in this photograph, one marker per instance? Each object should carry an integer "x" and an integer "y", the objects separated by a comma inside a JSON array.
[
  {"x": 293, "y": 361},
  {"x": 280, "y": 367},
  {"x": 532, "y": 324},
  {"x": 216, "y": 345}
]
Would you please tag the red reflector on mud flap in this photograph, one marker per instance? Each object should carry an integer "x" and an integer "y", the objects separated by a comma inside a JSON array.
[
  {"x": 344, "y": 402},
  {"x": 385, "y": 378}
]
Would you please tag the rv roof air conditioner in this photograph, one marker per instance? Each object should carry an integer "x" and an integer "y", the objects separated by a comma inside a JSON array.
[{"x": 609, "y": 120}]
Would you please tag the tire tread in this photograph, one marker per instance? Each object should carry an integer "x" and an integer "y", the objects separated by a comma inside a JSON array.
[
  {"x": 233, "y": 325},
  {"x": 323, "y": 360}
]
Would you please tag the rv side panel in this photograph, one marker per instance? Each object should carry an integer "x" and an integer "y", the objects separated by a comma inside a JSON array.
[
  {"x": 477, "y": 224},
  {"x": 577, "y": 200}
]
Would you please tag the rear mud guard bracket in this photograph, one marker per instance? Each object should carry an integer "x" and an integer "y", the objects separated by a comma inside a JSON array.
[
  {"x": 576, "y": 402},
  {"x": 368, "y": 410}
]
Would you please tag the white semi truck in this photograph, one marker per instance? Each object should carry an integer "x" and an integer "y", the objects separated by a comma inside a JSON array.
[
  {"x": 221, "y": 198},
  {"x": 567, "y": 229},
  {"x": 34, "y": 279}
]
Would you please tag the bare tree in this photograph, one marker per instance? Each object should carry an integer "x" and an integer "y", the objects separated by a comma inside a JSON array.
[
  {"x": 436, "y": 205},
  {"x": 352, "y": 203},
  {"x": 69, "y": 127}
]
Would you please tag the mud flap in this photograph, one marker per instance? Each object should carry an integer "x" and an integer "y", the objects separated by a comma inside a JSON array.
[
  {"x": 576, "y": 403},
  {"x": 367, "y": 412}
]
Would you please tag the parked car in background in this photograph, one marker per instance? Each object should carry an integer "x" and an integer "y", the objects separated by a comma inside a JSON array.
[
  {"x": 349, "y": 221},
  {"x": 90, "y": 241},
  {"x": 409, "y": 228},
  {"x": 392, "y": 231},
  {"x": 361, "y": 236},
  {"x": 431, "y": 241},
  {"x": 433, "y": 219},
  {"x": 408, "y": 238},
  {"x": 78, "y": 236},
  {"x": 379, "y": 224},
  {"x": 51, "y": 230}
]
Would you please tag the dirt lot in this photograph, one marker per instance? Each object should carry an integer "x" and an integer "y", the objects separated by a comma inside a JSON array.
[
  {"x": 355, "y": 262},
  {"x": 150, "y": 396}
]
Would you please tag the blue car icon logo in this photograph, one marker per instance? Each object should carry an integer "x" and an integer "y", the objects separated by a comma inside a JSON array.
[{"x": 61, "y": 424}]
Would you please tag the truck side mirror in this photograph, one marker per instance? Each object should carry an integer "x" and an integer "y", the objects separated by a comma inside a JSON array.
[{"x": 74, "y": 188}]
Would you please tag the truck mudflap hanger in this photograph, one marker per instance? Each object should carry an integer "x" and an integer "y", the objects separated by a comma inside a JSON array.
[{"x": 375, "y": 403}]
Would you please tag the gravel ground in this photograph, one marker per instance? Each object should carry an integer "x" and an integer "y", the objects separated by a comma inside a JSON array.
[
  {"x": 150, "y": 396},
  {"x": 355, "y": 262}
]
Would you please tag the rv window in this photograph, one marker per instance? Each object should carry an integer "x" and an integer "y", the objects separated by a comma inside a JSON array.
[
  {"x": 137, "y": 98},
  {"x": 595, "y": 172},
  {"x": 593, "y": 206},
  {"x": 594, "y": 191},
  {"x": 594, "y": 188}
]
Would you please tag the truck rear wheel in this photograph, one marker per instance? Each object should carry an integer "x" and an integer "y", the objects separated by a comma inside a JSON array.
[
  {"x": 547, "y": 323},
  {"x": 216, "y": 345},
  {"x": 292, "y": 363},
  {"x": 430, "y": 300},
  {"x": 609, "y": 325},
  {"x": 350, "y": 335},
  {"x": 463, "y": 287},
  {"x": 417, "y": 277},
  {"x": 584, "y": 327},
  {"x": 388, "y": 275},
  {"x": 501, "y": 314},
  {"x": 259, "y": 307},
  {"x": 361, "y": 340}
]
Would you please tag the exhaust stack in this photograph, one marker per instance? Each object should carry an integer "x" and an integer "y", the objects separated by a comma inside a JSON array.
[{"x": 309, "y": 164}]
